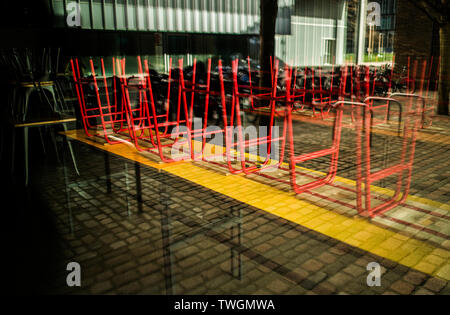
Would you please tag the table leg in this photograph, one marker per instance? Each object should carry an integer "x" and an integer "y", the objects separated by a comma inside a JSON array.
[
  {"x": 55, "y": 145},
  {"x": 127, "y": 189},
  {"x": 25, "y": 141},
  {"x": 107, "y": 172},
  {"x": 69, "y": 144},
  {"x": 42, "y": 140},
  {"x": 67, "y": 184},
  {"x": 165, "y": 233},
  {"x": 13, "y": 147},
  {"x": 236, "y": 236},
  {"x": 137, "y": 169}
]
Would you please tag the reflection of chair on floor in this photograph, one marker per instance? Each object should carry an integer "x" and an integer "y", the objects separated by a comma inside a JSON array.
[{"x": 33, "y": 73}]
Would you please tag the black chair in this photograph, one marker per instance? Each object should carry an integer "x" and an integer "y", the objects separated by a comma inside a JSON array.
[{"x": 33, "y": 72}]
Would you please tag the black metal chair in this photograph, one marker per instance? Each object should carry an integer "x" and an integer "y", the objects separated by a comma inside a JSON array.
[{"x": 33, "y": 72}]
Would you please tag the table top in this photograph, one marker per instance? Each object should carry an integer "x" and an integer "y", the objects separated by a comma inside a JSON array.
[
  {"x": 45, "y": 122},
  {"x": 33, "y": 84},
  {"x": 125, "y": 150}
]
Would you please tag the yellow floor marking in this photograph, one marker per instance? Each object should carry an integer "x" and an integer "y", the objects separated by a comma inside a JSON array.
[
  {"x": 352, "y": 183},
  {"x": 380, "y": 241},
  {"x": 386, "y": 191},
  {"x": 355, "y": 231},
  {"x": 125, "y": 150}
]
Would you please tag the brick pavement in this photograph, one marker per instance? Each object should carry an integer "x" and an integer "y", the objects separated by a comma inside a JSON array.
[{"x": 192, "y": 240}]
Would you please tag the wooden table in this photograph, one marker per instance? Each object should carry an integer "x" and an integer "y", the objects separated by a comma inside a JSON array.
[{"x": 128, "y": 153}]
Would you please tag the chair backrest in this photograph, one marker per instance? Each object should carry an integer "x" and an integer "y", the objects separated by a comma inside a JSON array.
[{"x": 33, "y": 68}]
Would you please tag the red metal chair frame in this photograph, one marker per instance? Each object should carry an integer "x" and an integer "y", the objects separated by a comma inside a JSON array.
[
  {"x": 367, "y": 177},
  {"x": 110, "y": 115},
  {"x": 139, "y": 116},
  {"x": 333, "y": 151},
  {"x": 241, "y": 144},
  {"x": 152, "y": 122},
  {"x": 198, "y": 90},
  {"x": 325, "y": 98}
]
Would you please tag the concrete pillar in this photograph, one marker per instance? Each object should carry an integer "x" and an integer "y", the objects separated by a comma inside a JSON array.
[{"x": 360, "y": 47}]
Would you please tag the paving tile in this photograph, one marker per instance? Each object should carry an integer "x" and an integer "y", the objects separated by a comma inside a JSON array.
[
  {"x": 131, "y": 288},
  {"x": 415, "y": 278},
  {"x": 327, "y": 258},
  {"x": 339, "y": 280},
  {"x": 402, "y": 287},
  {"x": 324, "y": 289},
  {"x": 101, "y": 287},
  {"x": 423, "y": 291},
  {"x": 124, "y": 278},
  {"x": 126, "y": 255},
  {"x": 435, "y": 284},
  {"x": 279, "y": 287},
  {"x": 312, "y": 265},
  {"x": 354, "y": 270}
]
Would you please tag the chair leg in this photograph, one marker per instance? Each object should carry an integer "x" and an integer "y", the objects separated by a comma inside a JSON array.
[
  {"x": 13, "y": 147},
  {"x": 55, "y": 145},
  {"x": 42, "y": 140},
  {"x": 25, "y": 141},
  {"x": 51, "y": 90},
  {"x": 127, "y": 189},
  {"x": 69, "y": 144},
  {"x": 26, "y": 100},
  {"x": 67, "y": 184},
  {"x": 60, "y": 95},
  {"x": 57, "y": 108}
]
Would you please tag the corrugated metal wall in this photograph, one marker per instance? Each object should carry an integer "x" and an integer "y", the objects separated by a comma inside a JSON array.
[
  {"x": 315, "y": 29},
  {"x": 185, "y": 16},
  {"x": 314, "y": 26}
]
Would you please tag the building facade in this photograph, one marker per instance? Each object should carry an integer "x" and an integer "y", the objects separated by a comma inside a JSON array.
[{"x": 309, "y": 33}]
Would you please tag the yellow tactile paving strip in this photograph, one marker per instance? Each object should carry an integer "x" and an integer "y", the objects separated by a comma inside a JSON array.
[{"x": 355, "y": 231}]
